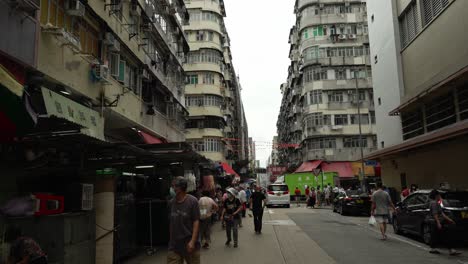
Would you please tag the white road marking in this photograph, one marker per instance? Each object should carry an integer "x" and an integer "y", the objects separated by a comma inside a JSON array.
[
  {"x": 280, "y": 222},
  {"x": 271, "y": 211}
]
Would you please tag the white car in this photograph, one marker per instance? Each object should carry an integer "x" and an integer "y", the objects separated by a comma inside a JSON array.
[{"x": 278, "y": 195}]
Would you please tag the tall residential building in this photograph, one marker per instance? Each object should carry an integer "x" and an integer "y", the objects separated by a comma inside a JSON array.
[
  {"x": 329, "y": 87},
  {"x": 217, "y": 126},
  {"x": 252, "y": 154},
  {"x": 432, "y": 103}
]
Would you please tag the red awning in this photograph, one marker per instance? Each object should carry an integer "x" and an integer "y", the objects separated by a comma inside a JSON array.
[
  {"x": 228, "y": 170},
  {"x": 344, "y": 169},
  {"x": 308, "y": 166},
  {"x": 149, "y": 139}
]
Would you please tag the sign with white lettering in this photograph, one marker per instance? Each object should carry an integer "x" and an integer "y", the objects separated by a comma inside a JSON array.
[{"x": 61, "y": 107}]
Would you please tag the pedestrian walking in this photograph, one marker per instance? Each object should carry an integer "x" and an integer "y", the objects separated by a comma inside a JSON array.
[
  {"x": 312, "y": 198},
  {"x": 23, "y": 249},
  {"x": 257, "y": 204},
  {"x": 327, "y": 192},
  {"x": 441, "y": 236},
  {"x": 231, "y": 215},
  {"x": 297, "y": 194},
  {"x": 184, "y": 226},
  {"x": 207, "y": 207},
  {"x": 248, "y": 193},
  {"x": 381, "y": 204},
  {"x": 319, "y": 196},
  {"x": 243, "y": 200},
  {"x": 307, "y": 191}
]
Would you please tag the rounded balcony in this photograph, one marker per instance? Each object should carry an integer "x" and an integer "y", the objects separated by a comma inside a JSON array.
[
  {"x": 206, "y": 5},
  {"x": 205, "y": 25}
]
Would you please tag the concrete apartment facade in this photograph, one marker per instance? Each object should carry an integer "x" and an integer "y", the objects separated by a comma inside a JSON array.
[
  {"x": 329, "y": 77},
  {"x": 433, "y": 106},
  {"x": 217, "y": 127}
]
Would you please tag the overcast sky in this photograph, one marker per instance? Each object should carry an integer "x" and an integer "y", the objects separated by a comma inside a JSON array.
[{"x": 259, "y": 31}]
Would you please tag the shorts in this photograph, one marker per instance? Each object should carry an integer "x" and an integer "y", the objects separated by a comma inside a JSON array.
[{"x": 381, "y": 219}]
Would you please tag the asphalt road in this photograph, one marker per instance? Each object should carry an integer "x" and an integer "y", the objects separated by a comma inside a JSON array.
[{"x": 350, "y": 240}]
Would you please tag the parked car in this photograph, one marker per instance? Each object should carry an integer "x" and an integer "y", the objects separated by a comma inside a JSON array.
[
  {"x": 413, "y": 215},
  {"x": 278, "y": 195},
  {"x": 352, "y": 202}
]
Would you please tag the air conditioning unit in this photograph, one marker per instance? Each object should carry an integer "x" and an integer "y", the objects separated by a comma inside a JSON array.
[
  {"x": 102, "y": 72},
  {"x": 75, "y": 8},
  {"x": 168, "y": 99},
  {"x": 134, "y": 9},
  {"x": 342, "y": 37},
  {"x": 145, "y": 74},
  {"x": 146, "y": 26},
  {"x": 112, "y": 42},
  {"x": 352, "y": 36}
]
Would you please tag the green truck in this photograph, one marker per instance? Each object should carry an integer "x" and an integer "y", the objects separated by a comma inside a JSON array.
[{"x": 304, "y": 179}]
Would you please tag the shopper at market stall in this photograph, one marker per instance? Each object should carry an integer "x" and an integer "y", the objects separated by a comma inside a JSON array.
[{"x": 184, "y": 226}]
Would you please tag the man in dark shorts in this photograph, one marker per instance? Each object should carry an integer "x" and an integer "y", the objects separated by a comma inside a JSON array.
[
  {"x": 184, "y": 226},
  {"x": 23, "y": 249},
  {"x": 257, "y": 203}
]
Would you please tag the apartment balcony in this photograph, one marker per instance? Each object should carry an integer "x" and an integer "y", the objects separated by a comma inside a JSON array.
[
  {"x": 348, "y": 84},
  {"x": 205, "y": 111},
  {"x": 304, "y": 3},
  {"x": 204, "y": 66},
  {"x": 337, "y": 61},
  {"x": 214, "y": 156},
  {"x": 349, "y": 105},
  {"x": 334, "y": 130},
  {"x": 197, "y": 89},
  {"x": 341, "y": 154},
  {"x": 195, "y": 133},
  {"x": 205, "y": 25},
  {"x": 197, "y": 45},
  {"x": 212, "y": 6},
  {"x": 326, "y": 19},
  {"x": 326, "y": 40}
]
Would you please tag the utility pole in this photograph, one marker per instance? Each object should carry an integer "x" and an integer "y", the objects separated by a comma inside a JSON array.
[{"x": 363, "y": 187}]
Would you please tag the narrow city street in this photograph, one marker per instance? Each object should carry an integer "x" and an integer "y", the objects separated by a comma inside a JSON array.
[{"x": 300, "y": 235}]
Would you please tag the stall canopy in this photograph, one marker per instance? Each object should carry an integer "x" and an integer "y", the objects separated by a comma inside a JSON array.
[
  {"x": 229, "y": 170},
  {"x": 344, "y": 169},
  {"x": 149, "y": 139},
  {"x": 308, "y": 166}
]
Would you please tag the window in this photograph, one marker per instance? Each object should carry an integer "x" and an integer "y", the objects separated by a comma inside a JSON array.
[
  {"x": 432, "y": 8},
  {"x": 353, "y": 142},
  {"x": 321, "y": 143},
  {"x": 372, "y": 116},
  {"x": 315, "y": 74},
  {"x": 114, "y": 63},
  {"x": 205, "y": 56},
  {"x": 208, "y": 78},
  {"x": 191, "y": 79},
  {"x": 208, "y": 145},
  {"x": 412, "y": 124},
  {"x": 315, "y": 97},
  {"x": 311, "y": 53},
  {"x": 306, "y": 33},
  {"x": 314, "y": 120},
  {"x": 409, "y": 24},
  {"x": 341, "y": 120},
  {"x": 335, "y": 97},
  {"x": 364, "y": 119},
  {"x": 340, "y": 74},
  {"x": 327, "y": 120}
]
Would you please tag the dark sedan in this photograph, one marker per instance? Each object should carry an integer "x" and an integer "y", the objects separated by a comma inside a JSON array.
[
  {"x": 413, "y": 215},
  {"x": 352, "y": 202}
]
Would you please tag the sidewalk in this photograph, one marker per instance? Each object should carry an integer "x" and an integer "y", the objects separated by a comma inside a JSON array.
[{"x": 281, "y": 242}]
